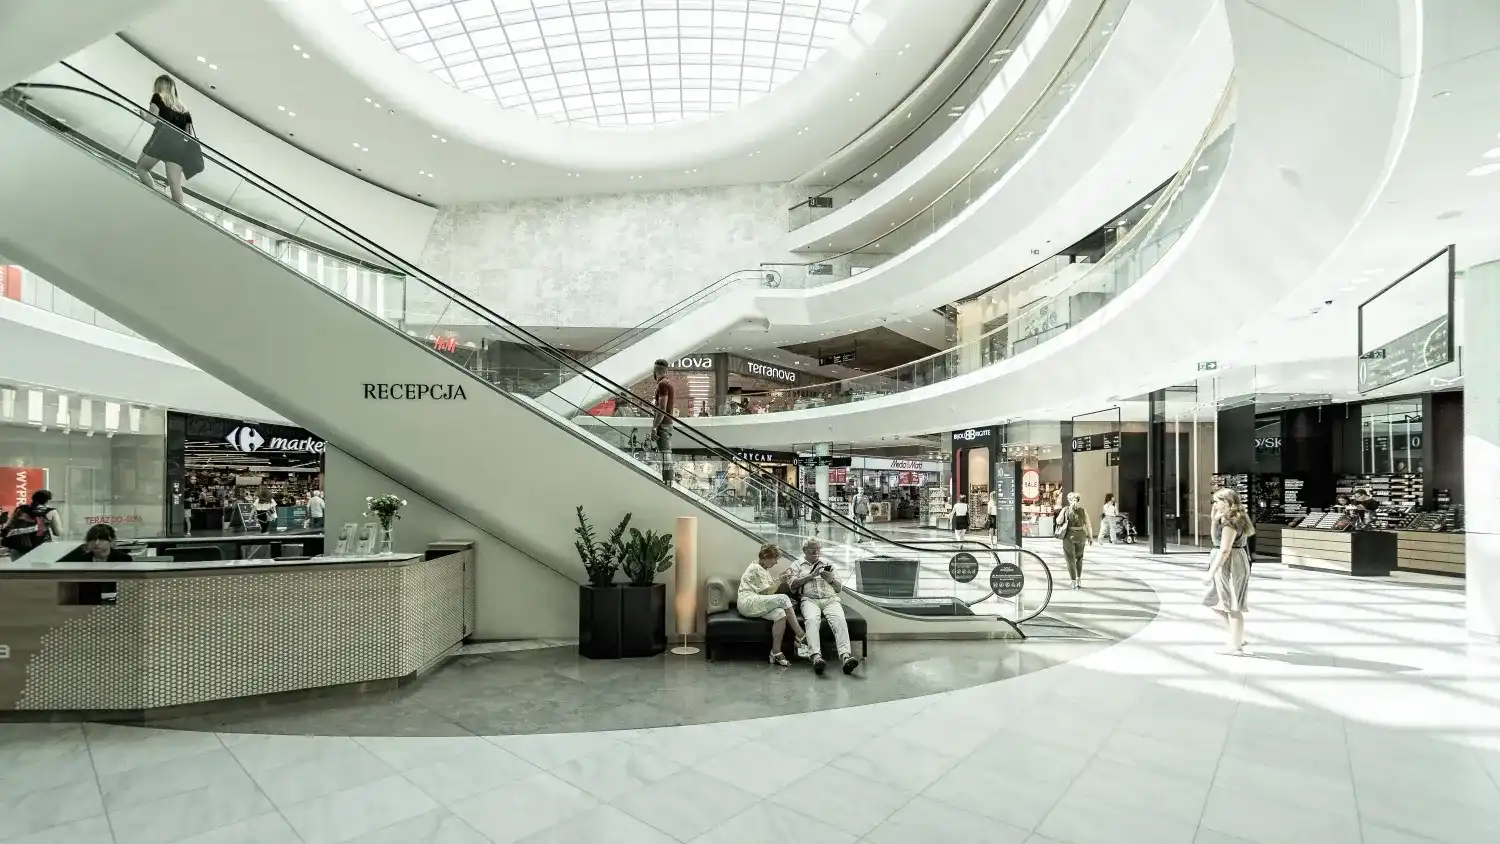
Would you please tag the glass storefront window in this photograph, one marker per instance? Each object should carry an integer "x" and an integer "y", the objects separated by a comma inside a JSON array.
[
  {"x": 103, "y": 461},
  {"x": 1391, "y": 438}
]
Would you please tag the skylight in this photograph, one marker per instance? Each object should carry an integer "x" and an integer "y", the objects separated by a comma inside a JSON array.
[{"x": 612, "y": 62}]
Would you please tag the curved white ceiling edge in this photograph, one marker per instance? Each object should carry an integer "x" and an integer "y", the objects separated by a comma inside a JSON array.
[
  {"x": 1318, "y": 132},
  {"x": 75, "y": 357},
  {"x": 998, "y": 108},
  {"x": 854, "y": 61},
  {"x": 1133, "y": 123}
]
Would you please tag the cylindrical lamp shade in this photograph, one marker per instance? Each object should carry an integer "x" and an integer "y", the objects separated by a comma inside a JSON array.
[{"x": 685, "y": 601}]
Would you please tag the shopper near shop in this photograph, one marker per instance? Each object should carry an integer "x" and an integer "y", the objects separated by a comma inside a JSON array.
[
  {"x": 173, "y": 141},
  {"x": 815, "y": 582},
  {"x": 817, "y": 511},
  {"x": 993, "y": 507},
  {"x": 1109, "y": 518},
  {"x": 860, "y": 509},
  {"x": 960, "y": 519},
  {"x": 661, "y": 425},
  {"x": 1229, "y": 568},
  {"x": 19, "y": 534},
  {"x": 761, "y": 595},
  {"x": 265, "y": 511},
  {"x": 49, "y": 521},
  {"x": 316, "y": 508},
  {"x": 1073, "y": 527}
]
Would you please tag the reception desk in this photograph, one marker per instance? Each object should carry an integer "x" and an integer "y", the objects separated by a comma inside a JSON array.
[
  {"x": 140, "y": 637},
  {"x": 1366, "y": 553}
]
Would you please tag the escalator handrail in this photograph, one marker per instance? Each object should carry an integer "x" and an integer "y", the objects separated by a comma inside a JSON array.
[
  {"x": 614, "y": 343},
  {"x": 722, "y": 452},
  {"x": 213, "y": 203},
  {"x": 979, "y": 165},
  {"x": 793, "y": 494},
  {"x": 944, "y": 103}
]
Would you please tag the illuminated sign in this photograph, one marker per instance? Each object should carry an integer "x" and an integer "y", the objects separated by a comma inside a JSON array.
[
  {"x": 445, "y": 344},
  {"x": 694, "y": 362}
]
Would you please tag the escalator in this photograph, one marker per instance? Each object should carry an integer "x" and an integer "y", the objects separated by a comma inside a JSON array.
[{"x": 458, "y": 422}]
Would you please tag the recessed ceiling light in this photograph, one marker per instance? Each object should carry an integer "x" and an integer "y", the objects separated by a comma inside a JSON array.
[
  {"x": 306, "y": 56},
  {"x": 434, "y": 137},
  {"x": 281, "y": 108},
  {"x": 297, "y": 48},
  {"x": 377, "y": 105},
  {"x": 213, "y": 66},
  {"x": 443, "y": 140},
  {"x": 421, "y": 172},
  {"x": 356, "y": 144},
  {"x": 291, "y": 114},
  {"x": 364, "y": 149},
  {"x": 201, "y": 59}
]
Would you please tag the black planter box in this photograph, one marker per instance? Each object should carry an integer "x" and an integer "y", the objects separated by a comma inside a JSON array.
[{"x": 622, "y": 621}]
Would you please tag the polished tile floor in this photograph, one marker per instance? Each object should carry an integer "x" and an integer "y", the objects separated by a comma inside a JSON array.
[{"x": 1366, "y": 716}]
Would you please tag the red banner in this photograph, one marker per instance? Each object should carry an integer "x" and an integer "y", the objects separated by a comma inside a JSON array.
[
  {"x": 10, "y": 283},
  {"x": 17, "y": 485}
]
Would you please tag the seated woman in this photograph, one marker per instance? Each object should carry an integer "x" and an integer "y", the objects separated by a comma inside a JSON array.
[
  {"x": 98, "y": 547},
  {"x": 758, "y": 598}
]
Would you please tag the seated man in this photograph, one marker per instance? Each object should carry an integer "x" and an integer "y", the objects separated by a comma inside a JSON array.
[{"x": 814, "y": 580}]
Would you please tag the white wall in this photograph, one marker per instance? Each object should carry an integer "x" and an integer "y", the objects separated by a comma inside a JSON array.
[
  {"x": 516, "y": 597},
  {"x": 396, "y": 223},
  {"x": 36, "y": 33},
  {"x": 609, "y": 260}
]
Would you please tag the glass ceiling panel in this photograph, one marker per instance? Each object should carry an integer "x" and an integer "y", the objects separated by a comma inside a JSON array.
[{"x": 611, "y": 62}]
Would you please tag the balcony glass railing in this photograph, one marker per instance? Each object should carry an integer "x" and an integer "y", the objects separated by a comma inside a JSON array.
[
  {"x": 911, "y": 228},
  {"x": 102, "y": 124},
  {"x": 1050, "y": 315},
  {"x": 1026, "y": 28}
]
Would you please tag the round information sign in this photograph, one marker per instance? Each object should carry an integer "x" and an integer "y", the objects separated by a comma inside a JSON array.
[
  {"x": 963, "y": 567},
  {"x": 1007, "y": 580}
]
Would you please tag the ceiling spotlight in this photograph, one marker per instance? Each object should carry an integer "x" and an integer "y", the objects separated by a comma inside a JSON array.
[
  {"x": 356, "y": 144},
  {"x": 434, "y": 137},
  {"x": 291, "y": 114},
  {"x": 306, "y": 56},
  {"x": 367, "y": 99},
  {"x": 443, "y": 140},
  {"x": 421, "y": 172},
  {"x": 297, "y": 48},
  {"x": 212, "y": 66},
  {"x": 201, "y": 59},
  {"x": 377, "y": 105},
  {"x": 281, "y": 108}
]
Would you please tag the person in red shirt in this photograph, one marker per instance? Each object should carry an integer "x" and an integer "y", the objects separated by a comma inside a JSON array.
[{"x": 661, "y": 424}]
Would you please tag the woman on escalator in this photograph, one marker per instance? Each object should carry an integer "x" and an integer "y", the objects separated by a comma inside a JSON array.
[{"x": 173, "y": 141}]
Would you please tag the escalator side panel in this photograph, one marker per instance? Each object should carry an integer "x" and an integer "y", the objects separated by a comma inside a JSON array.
[{"x": 309, "y": 355}]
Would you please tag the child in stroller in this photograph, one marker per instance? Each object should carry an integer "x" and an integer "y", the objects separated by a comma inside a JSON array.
[{"x": 1124, "y": 530}]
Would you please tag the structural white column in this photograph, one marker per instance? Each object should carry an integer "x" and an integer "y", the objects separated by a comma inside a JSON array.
[{"x": 1481, "y": 367}]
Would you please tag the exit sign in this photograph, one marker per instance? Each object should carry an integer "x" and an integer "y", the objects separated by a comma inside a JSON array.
[{"x": 1208, "y": 365}]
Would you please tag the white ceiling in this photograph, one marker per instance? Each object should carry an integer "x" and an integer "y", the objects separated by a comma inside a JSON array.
[
  {"x": 636, "y": 63},
  {"x": 365, "y": 108}
]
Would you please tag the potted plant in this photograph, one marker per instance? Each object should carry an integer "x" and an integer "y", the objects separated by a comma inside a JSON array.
[
  {"x": 643, "y": 617},
  {"x": 600, "y": 601}
]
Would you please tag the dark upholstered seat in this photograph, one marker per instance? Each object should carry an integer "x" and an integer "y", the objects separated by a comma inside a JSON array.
[{"x": 725, "y": 625}]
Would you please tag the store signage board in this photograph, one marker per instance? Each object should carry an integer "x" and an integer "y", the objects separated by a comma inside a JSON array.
[
  {"x": 17, "y": 484},
  {"x": 1097, "y": 442},
  {"x": 1413, "y": 353},
  {"x": 1424, "y": 297},
  {"x": 415, "y": 392},
  {"x": 963, "y": 568},
  {"x": 1007, "y": 503},
  {"x": 1112, "y": 458},
  {"x": 836, "y": 360},
  {"x": 972, "y": 435},
  {"x": 1207, "y": 365},
  {"x": 693, "y": 363},
  {"x": 1007, "y": 580},
  {"x": 1031, "y": 485}
]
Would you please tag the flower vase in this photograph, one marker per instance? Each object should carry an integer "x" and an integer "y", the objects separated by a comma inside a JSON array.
[{"x": 385, "y": 541}]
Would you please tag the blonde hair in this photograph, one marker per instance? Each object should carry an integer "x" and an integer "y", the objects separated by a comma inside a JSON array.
[
  {"x": 165, "y": 88},
  {"x": 1232, "y": 511}
]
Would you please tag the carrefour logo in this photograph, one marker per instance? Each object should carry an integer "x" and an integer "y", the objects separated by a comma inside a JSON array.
[{"x": 246, "y": 439}]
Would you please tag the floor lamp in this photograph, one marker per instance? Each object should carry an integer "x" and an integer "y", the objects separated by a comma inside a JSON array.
[{"x": 685, "y": 602}]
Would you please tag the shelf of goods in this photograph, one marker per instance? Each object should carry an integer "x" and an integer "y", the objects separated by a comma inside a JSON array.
[
  {"x": 1367, "y": 553},
  {"x": 934, "y": 511}
]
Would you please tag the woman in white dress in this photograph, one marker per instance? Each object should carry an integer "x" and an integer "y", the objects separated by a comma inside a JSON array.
[
  {"x": 1229, "y": 567},
  {"x": 1109, "y": 514},
  {"x": 758, "y": 598}
]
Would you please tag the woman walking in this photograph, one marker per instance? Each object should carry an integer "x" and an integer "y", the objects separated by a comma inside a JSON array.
[
  {"x": 1229, "y": 568},
  {"x": 1109, "y": 517},
  {"x": 1074, "y": 528},
  {"x": 172, "y": 141}
]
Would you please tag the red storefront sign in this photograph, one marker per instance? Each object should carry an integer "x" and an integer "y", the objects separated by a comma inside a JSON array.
[
  {"x": 17, "y": 485},
  {"x": 10, "y": 283}
]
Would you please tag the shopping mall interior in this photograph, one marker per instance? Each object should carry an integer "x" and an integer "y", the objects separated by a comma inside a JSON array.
[{"x": 749, "y": 421}]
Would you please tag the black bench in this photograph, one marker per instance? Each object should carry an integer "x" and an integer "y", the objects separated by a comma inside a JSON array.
[{"x": 725, "y": 625}]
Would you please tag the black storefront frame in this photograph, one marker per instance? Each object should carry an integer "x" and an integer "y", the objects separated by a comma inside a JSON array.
[{"x": 182, "y": 428}]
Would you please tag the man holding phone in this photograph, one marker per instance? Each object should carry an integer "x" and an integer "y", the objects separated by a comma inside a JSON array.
[{"x": 815, "y": 581}]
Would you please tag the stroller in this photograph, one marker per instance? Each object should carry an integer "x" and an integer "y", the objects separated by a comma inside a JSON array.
[{"x": 1124, "y": 530}]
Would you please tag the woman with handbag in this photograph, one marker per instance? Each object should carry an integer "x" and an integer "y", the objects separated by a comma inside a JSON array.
[{"x": 173, "y": 141}]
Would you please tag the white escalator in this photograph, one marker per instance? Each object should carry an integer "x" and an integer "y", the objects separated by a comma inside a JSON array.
[{"x": 459, "y": 426}]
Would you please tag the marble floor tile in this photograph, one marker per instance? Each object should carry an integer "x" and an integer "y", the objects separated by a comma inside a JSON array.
[
  {"x": 897, "y": 763},
  {"x": 1180, "y": 796},
  {"x": 930, "y": 822},
  {"x": 436, "y": 827},
  {"x": 460, "y": 776},
  {"x": 258, "y": 753},
  {"x": 601, "y": 823},
  {"x": 523, "y": 808},
  {"x": 163, "y": 779},
  {"x": 93, "y": 830},
  {"x": 845, "y": 801},
  {"x": 686, "y": 804},
  {"x": 35, "y": 811},
  {"x": 999, "y": 792},
  {"x": 357, "y": 811},
  {"x": 768, "y": 822},
  {"x": 1091, "y": 820},
  {"x": 613, "y": 771},
  {"x": 550, "y": 750},
  {"x": 1265, "y": 821},
  {"x": 118, "y": 749},
  {"x": 263, "y": 829},
  {"x": 341, "y": 767},
  {"x": 756, "y": 768},
  {"x": 188, "y": 813}
]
